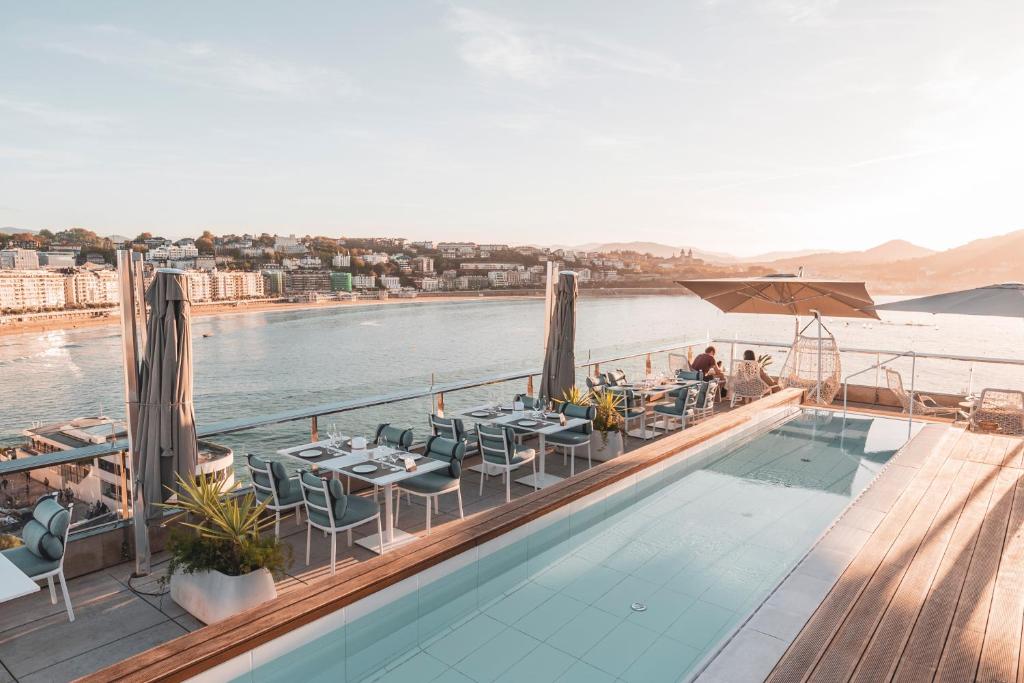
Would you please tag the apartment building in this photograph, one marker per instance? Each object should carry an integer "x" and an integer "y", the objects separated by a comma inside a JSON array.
[
  {"x": 19, "y": 259},
  {"x": 341, "y": 261},
  {"x": 172, "y": 252},
  {"x": 391, "y": 282},
  {"x": 27, "y": 290},
  {"x": 364, "y": 281},
  {"x": 236, "y": 285},
  {"x": 297, "y": 281},
  {"x": 90, "y": 287},
  {"x": 422, "y": 264}
]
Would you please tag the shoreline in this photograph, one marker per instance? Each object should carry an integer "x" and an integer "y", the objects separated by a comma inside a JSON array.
[{"x": 204, "y": 310}]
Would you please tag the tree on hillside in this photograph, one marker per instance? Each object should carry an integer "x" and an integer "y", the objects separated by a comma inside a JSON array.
[
  {"x": 143, "y": 236},
  {"x": 46, "y": 234},
  {"x": 204, "y": 243},
  {"x": 79, "y": 236}
]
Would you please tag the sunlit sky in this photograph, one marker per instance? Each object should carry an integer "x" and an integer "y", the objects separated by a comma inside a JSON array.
[{"x": 731, "y": 126}]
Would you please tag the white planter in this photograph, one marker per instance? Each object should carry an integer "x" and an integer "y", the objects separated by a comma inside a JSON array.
[
  {"x": 602, "y": 449},
  {"x": 211, "y": 596}
]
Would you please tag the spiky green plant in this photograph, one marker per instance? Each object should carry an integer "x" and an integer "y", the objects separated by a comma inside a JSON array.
[
  {"x": 608, "y": 418},
  {"x": 574, "y": 396},
  {"x": 225, "y": 535},
  {"x": 764, "y": 360}
]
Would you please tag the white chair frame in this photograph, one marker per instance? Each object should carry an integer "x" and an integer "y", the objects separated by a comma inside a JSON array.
[
  {"x": 276, "y": 507},
  {"x": 506, "y": 469},
  {"x": 59, "y": 572},
  {"x": 703, "y": 412},
  {"x": 688, "y": 409},
  {"x": 333, "y": 529},
  {"x": 432, "y": 501}
]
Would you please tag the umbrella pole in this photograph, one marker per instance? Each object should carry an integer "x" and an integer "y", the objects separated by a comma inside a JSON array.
[
  {"x": 818, "y": 316},
  {"x": 129, "y": 291}
]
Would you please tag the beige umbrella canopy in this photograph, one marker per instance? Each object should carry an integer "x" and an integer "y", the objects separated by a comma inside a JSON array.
[
  {"x": 785, "y": 295},
  {"x": 813, "y": 362}
]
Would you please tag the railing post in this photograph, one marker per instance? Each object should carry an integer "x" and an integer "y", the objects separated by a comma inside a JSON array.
[
  {"x": 647, "y": 365},
  {"x": 913, "y": 378},
  {"x": 314, "y": 431},
  {"x": 878, "y": 363},
  {"x": 529, "y": 385},
  {"x": 970, "y": 380}
]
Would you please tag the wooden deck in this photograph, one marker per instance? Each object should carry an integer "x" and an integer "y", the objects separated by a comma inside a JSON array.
[{"x": 937, "y": 591}]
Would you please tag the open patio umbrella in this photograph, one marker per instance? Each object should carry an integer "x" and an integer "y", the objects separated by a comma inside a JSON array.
[
  {"x": 794, "y": 295},
  {"x": 1006, "y": 300},
  {"x": 165, "y": 439},
  {"x": 785, "y": 295},
  {"x": 559, "y": 372}
]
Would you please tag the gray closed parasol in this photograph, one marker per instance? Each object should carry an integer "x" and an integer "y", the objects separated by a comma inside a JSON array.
[
  {"x": 1006, "y": 300},
  {"x": 166, "y": 438},
  {"x": 559, "y": 373}
]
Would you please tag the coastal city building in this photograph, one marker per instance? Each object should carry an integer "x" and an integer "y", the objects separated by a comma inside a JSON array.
[
  {"x": 341, "y": 282},
  {"x": 273, "y": 282},
  {"x": 19, "y": 259},
  {"x": 199, "y": 288},
  {"x": 91, "y": 287},
  {"x": 341, "y": 261},
  {"x": 296, "y": 281},
  {"x": 422, "y": 264},
  {"x": 56, "y": 259},
  {"x": 364, "y": 281},
  {"x": 31, "y": 290},
  {"x": 172, "y": 252},
  {"x": 456, "y": 250},
  {"x": 391, "y": 282},
  {"x": 236, "y": 285},
  {"x": 288, "y": 245}
]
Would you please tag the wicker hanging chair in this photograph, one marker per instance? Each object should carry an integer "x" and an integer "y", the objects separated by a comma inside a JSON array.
[{"x": 813, "y": 364}]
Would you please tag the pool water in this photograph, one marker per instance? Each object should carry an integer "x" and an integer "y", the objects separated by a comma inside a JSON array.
[{"x": 639, "y": 586}]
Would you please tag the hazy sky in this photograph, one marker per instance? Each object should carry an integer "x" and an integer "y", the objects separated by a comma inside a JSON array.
[{"x": 727, "y": 125}]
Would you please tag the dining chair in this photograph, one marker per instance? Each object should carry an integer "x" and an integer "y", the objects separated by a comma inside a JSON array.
[
  {"x": 394, "y": 437},
  {"x": 432, "y": 485},
  {"x": 44, "y": 547},
  {"x": 705, "y": 407},
  {"x": 272, "y": 485},
  {"x": 568, "y": 440},
  {"x": 630, "y": 410},
  {"x": 679, "y": 410},
  {"x": 499, "y": 450},
  {"x": 330, "y": 510},
  {"x": 453, "y": 428}
]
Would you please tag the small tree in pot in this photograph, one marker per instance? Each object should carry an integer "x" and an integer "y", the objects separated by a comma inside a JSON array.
[
  {"x": 607, "y": 442},
  {"x": 220, "y": 565}
]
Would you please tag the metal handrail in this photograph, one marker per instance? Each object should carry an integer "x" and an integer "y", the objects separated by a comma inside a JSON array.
[
  {"x": 878, "y": 364},
  {"x": 74, "y": 455},
  {"x": 864, "y": 350}
]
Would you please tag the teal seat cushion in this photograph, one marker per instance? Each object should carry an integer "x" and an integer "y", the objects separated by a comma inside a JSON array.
[
  {"x": 31, "y": 565},
  {"x": 41, "y": 542},
  {"x": 430, "y": 482},
  {"x": 359, "y": 509},
  {"x": 671, "y": 409},
  {"x": 568, "y": 438}
]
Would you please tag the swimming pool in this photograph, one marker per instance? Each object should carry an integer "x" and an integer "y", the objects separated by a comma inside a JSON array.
[{"x": 638, "y": 583}]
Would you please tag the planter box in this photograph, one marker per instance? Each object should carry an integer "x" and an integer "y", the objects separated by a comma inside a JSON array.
[
  {"x": 602, "y": 449},
  {"x": 211, "y": 596}
]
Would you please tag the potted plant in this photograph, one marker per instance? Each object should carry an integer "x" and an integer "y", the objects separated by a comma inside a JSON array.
[
  {"x": 220, "y": 565},
  {"x": 606, "y": 441}
]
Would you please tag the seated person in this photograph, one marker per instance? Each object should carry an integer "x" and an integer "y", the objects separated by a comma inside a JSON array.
[
  {"x": 711, "y": 368},
  {"x": 772, "y": 384}
]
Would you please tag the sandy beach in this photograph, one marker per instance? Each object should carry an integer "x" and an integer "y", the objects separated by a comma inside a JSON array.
[{"x": 235, "y": 308}]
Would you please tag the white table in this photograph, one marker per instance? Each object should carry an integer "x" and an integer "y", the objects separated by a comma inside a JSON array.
[
  {"x": 645, "y": 392},
  {"x": 14, "y": 583},
  {"x": 542, "y": 478},
  {"x": 392, "y": 537}
]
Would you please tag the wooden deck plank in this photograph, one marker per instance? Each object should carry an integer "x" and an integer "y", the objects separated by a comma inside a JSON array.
[
  {"x": 882, "y": 655},
  {"x": 841, "y": 657},
  {"x": 1001, "y": 649},
  {"x": 920, "y": 657},
  {"x": 963, "y": 645},
  {"x": 800, "y": 658}
]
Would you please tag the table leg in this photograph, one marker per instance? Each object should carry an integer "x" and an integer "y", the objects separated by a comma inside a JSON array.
[
  {"x": 542, "y": 478},
  {"x": 389, "y": 517}
]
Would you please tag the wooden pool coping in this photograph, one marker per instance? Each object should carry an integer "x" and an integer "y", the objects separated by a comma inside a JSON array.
[{"x": 199, "y": 651}]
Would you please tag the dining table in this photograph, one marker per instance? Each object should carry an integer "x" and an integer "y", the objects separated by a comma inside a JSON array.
[
  {"x": 378, "y": 465},
  {"x": 14, "y": 583},
  {"x": 649, "y": 392},
  {"x": 527, "y": 423}
]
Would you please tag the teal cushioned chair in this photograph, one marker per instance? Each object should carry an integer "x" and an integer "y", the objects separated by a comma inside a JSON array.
[
  {"x": 453, "y": 428},
  {"x": 45, "y": 539},
  {"x": 681, "y": 409},
  {"x": 331, "y": 511},
  {"x": 271, "y": 483},
  {"x": 395, "y": 437},
  {"x": 499, "y": 451},
  {"x": 630, "y": 410},
  {"x": 568, "y": 440},
  {"x": 432, "y": 485}
]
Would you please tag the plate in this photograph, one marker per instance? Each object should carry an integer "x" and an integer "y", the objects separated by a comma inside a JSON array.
[
  {"x": 310, "y": 453},
  {"x": 526, "y": 423},
  {"x": 364, "y": 469},
  {"x": 480, "y": 413}
]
